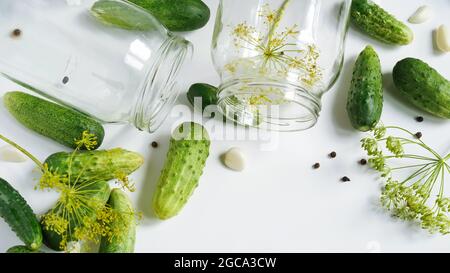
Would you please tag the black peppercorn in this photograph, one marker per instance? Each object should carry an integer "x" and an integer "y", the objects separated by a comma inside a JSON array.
[
  {"x": 16, "y": 33},
  {"x": 419, "y": 119},
  {"x": 363, "y": 161},
  {"x": 333, "y": 154},
  {"x": 155, "y": 144},
  {"x": 345, "y": 179},
  {"x": 419, "y": 135},
  {"x": 316, "y": 166},
  {"x": 65, "y": 80}
]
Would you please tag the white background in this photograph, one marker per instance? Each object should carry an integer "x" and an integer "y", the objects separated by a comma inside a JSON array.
[{"x": 279, "y": 203}]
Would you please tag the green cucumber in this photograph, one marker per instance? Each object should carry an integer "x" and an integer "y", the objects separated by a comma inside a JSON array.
[
  {"x": 22, "y": 249},
  {"x": 122, "y": 15},
  {"x": 365, "y": 98},
  {"x": 379, "y": 24},
  {"x": 96, "y": 192},
  {"x": 423, "y": 86},
  {"x": 52, "y": 120},
  {"x": 19, "y": 216},
  {"x": 204, "y": 92},
  {"x": 177, "y": 15},
  {"x": 95, "y": 165},
  {"x": 188, "y": 152},
  {"x": 121, "y": 204}
]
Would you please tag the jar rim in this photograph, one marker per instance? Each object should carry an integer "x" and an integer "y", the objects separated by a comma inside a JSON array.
[
  {"x": 159, "y": 88},
  {"x": 297, "y": 108}
]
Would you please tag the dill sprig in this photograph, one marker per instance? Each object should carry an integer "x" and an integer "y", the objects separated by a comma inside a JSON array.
[
  {"x": 418, "y": 197},
  {"x": 81, "y": 213},
  {"x": 278, "y": 52}
]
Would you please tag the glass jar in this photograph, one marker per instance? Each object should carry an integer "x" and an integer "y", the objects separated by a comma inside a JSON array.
[
  {"x": 114, "y": 73},
  {"x": 276, "y": 58}
]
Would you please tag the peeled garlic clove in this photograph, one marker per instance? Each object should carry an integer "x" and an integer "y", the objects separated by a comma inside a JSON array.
[
  {"x": 443, "y": 38},
  {"x": 9, "y": 154},
  {"x": 421, "y": 15},
  {"x": 234, "y": 159}
]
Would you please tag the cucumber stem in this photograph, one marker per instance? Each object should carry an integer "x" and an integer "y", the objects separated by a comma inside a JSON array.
[{"x": 22, "y": 150}]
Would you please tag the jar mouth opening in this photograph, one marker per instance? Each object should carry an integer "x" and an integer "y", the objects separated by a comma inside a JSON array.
[
  {"x": 269, "y": 105},
  {"x": 159, "y": 90}
]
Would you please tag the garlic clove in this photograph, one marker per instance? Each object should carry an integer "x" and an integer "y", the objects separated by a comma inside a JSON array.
[
  {"x": 9, "y": 154},
  {"x": 234, "y": 159},
  {"x": 422, "y": 15},
  {"x": 443, "y": 38}
]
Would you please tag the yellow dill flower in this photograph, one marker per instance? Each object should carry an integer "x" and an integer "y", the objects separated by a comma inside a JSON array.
[
  {"x": 55, "y": 223},
  {"x": 278, "y": 52},
  {"x": 51, "y": 180},
  {"x": 88, "y": 140}
]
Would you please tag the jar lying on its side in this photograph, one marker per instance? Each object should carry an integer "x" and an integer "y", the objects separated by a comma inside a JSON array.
[
  {"x": 118, "y": 67},
  {"x": 276, "y": 59}
]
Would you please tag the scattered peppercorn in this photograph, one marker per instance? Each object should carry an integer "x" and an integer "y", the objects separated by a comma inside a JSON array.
[
  {"x": 65, "y": 80},
  {"x": 155, "y": 144},
  {"x": 345, "y": 179},
  {"x": 16, "y": 33},
  {"x": 419, "y": 135},
  {"x": 333, "y": 154},
  {"x": 363, "y": 162},
  {"x": 316, "y": 166},
  {"x": 419, "y": 119}
]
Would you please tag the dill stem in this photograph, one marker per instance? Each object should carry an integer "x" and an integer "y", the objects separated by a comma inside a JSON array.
[
  {"x": 22, "y": 150},
  {"x": 277, "y": 20},
  {"x": 424, "y": 170}
]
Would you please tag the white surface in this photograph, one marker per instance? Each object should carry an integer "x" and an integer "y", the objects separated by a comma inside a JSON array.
[{"x": 279, "y": 203}]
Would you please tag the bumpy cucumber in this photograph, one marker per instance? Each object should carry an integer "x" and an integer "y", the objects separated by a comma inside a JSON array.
[
  {"x": 206, "y": 92},
  {"x": 177, "y": 15},
  {"x": 423, "y": 86},
  {"x": 379, "y": 24},
  {"x": 122, "y": 15},
  {"x": 121, "y": 204},
  {"x": 52, "y": 120},
  {"x": 97, "y": 192},
  {"x": 95, "y": 165},
  {"x": 22, "y": 249},
  {"x": 365, "y": 98},
  {"x": 19, "y": 216},
  {"x": 188, "y": 151}
]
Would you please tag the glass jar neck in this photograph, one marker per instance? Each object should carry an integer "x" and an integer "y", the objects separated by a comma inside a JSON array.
[
  {"x": 268, "y": 104},
  {"x": 158, "y": 89}
]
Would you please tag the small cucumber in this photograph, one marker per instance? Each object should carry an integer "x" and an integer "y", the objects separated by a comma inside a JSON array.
[
  {"x": 423, "y": 86},
  {"x": 97, "y": 193},
  {"x": 22, "y": 249},
  {"x": 379, "y": 24},
  {"x": 177, "y": 15},
  {"x": 19, "y": 216},
  {"x": 52, "y": 120},
  {"x": 95, "y": 165},
  {"x": 122, "y": 15},
  {"x": 365, "y": 98},
  {"x": 188, "y": 152},
  {"x": 121, "y": 204},
  {"x": 207, "y": 93}
]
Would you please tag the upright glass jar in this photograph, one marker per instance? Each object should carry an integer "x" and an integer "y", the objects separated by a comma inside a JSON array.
[
  {"x": 276, "y": 59},
  {"x": 116, "y": 63}
]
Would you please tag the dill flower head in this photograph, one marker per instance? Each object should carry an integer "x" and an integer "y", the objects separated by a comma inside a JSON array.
[
  {"x": 87, "y": 140},
  {"x": 419, "y": 197},
  {"x": 51, "y": 180},
  {"x": 276, "y": 51}
]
